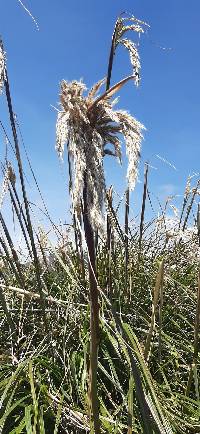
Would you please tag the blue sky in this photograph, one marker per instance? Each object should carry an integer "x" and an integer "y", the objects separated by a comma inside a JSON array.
[{"x": 73, "y": 42}]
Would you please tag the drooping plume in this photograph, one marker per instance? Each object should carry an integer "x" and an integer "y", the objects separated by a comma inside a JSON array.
[
  {"x": 88, "y": 125},
  {"x": 124, "y": 25}
]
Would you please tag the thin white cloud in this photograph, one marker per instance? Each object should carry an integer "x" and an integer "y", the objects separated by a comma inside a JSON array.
[{"x": 166, "y": 162}]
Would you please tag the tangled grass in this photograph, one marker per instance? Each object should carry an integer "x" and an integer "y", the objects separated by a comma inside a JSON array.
[{"x": 148, "y": 339}]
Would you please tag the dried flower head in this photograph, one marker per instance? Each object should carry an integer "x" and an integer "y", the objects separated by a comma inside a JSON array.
[
  {"x": 88, "y": 125},
  {"x": 134, "y": 57},
  {"x": 124, "y": 25},
  {"x": 2, "y": 67}
]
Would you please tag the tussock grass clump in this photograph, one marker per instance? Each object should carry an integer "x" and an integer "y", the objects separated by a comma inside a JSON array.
[{"x": 99, "y": 334}]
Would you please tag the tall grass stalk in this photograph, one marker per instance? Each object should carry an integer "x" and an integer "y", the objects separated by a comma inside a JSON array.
[
  {"x": 160, "y": 322},
  {"x": 196, "y": 341},
  {"x": 94, "y": 318},
  {"x": 26, "y": 204},
  {"x": 7, "y": 314},
  {"x": 126, "y": 230},
  {"x": 143, "y": 204},
  {"x": 194, "y": 193},
  {"x": 156, "y": 294},
  {"x": 198, "y": 222},
  {"x": 109, "y": 243}
]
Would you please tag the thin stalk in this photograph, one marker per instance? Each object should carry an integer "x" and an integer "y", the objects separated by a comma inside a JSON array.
[
  {"x": 109, "y": 194},
  {"x": 94, "y": 318},
  {"x": 35, "y": 180},
  {"x": 109, "y": 228},
  {"x": 190, "y": 205},
  {"x": 20, "y": 221},
  {"x": 14, "y": 253},
  {"x": 185, "y": 200},
  {"x": 70, "y": 190},
  {"x": 109, "y": 247},
  {"x": 29, "y": 294},
  {"x": 196, "y": 340},
  {"x": 111, "y": 56},
  {"x": 160, "y": 323},
  {"x": 16, "y": 197},
  {"x": 127, "y": 205},
  {"x": 143, "y": 204},
  {"x": 9, "y": 260},
  {"x": 114, "y": 218},
  {"x": 26, "y": 204},
  {"x": 198, "y": 222},
  {"x": 7, "y": 313},
  {"x": 156, "y": 294}
]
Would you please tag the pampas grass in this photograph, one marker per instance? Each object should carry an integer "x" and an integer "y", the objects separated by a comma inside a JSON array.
[
  {"x": 89, "y": 125},
  {"x": 100, "y": 335}
]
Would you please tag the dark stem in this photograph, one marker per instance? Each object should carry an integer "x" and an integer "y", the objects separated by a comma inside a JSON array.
[
  {"x": 190, "y": 205},
  {"x": 11, "y": 262},
  {"x": 20, "y": 220},
  {"x": 111, "y": 56},
  {"x": 94, "y": 317},
  {"x": 127, "y": 204},
  {"x": 14, "y": 253}
]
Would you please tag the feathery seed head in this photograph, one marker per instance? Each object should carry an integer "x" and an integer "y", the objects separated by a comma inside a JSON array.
[
  {"x": 124, "y": 25},
  {"x": 134, "y": 57},
  {"x": 88, "y": 125}
]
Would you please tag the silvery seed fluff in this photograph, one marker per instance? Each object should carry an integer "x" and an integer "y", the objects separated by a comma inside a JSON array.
[
  {"x": 88, "y": 127},
  {"x": 124, "y": 25},
  {"x": 134, "y": 57}
]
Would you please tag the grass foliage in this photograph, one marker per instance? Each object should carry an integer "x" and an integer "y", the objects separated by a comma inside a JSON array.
[{"x": 148, "y": 350}]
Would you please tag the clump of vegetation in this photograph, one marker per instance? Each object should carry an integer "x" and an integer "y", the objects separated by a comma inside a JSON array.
[{"x": 99, "y": 333}]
